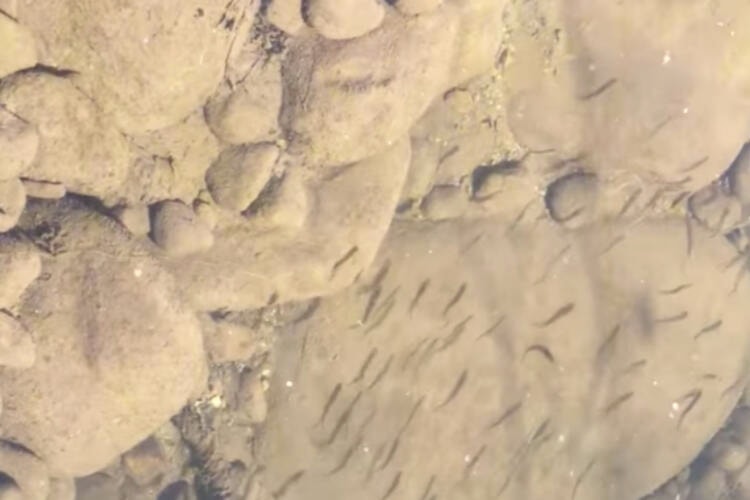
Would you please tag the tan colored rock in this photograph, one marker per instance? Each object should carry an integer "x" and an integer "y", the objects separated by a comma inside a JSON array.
[
  {"x": 117, "y": 351},
  {"x": 285, "y": 205},
  {"x": 730, "y": 457},
  {"x": 19, "y": 142},
  {"x": 17, "y": 349},
  {"x": 20, "y": 265},
  {"x": 248, "y": 112},
  {"x": 136, "y": 219},
  {"x": 207, "y": 212},
  {"x": 240, "y": 173},
  {"x": 12, "y": 202},
  {"x": 169, "y": 163},
  {"x": 43, "y": 190},
  {"x": 79, "y": 147},
  {"x": 416, "y": 7},
  {"x": 344, "y": 214},
  {"x": 344, "y": 19},
  {"x": 150, "y": 75},
  {"x": 286, "y": 15},
  {"x": 178, "y": 231},
  {"x": 19, "y": 47},
  {"x": 330, "y": 85},
  {"x": 145, "y": 463},
  {"x": 324, "y": 102}
]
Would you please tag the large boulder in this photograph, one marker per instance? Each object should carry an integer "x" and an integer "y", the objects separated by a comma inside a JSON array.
[
  {"x": 117, "y": 353},
  {"x": 148, "y": 63}
]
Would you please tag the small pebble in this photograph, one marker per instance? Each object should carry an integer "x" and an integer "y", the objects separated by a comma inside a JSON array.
[
  {"x": 344, "y": 19},
  {"x": 12, "y": 203},
  {"x": 571, "y": 200},
  {"x": 415, "y": 7},
  {"x": 732, "y": 457},
  {"x": 136, "y": 219},
  {"x": 43, "y": 189},
  {"x": 240, "y": 173},
  {"x": 178, "y": 231}
]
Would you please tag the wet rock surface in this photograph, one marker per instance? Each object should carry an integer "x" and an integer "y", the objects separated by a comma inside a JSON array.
[{"x": 286, "y": 249}]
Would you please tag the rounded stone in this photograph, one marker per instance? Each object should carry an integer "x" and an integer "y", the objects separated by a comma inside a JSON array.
[
  {"x": 240, "y": 173},
  {"x": 178, "y": 231},
  {"x": 344, "y": 19},
  {"x": 571, "y": 200},
  {"x": 730, "y": 457},
  {"x": 117, "y": 352},
  {"x": 249, "y": 112},
  {"x": 135, "y": 218},
  {"x": 146, "y": 64},
  {"x": 78, "y": 145}
]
